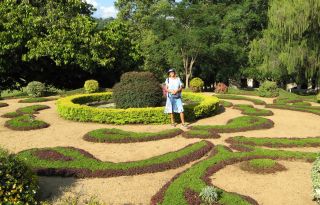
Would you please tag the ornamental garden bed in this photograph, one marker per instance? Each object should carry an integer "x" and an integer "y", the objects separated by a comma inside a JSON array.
[
  {"x": 250, "y": 110},
  {"x": 75, "y": 108}
]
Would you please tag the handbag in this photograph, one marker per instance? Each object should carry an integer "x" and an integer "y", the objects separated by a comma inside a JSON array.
[{"x": 175, "y": 96}]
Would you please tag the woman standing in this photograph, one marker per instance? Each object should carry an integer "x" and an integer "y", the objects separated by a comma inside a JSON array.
[{"x": 174, "y": 101}]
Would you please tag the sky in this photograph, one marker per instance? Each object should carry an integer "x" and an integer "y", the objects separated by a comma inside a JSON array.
[{"x": 105, "y": 8}]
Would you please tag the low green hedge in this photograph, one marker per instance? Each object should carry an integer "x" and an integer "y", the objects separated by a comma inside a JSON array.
[
  {"x": 250, "y": 110},
  {"x": 73, "y": 108},
  {"x": 238, "y": 97},
  {"x": 315, "y": 176}
]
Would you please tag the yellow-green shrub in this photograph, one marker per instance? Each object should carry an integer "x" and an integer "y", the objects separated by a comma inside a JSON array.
[
  {"x": 196, "y": 84},
  {"x": 91, "y": 86},
  {"x": 72, "y": 108}
]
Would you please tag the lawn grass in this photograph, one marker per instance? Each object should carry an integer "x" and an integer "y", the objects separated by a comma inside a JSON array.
[
  {"x": 238, "y": 97},
  {"x": 309, "y": 109},
  {"x": 25, "y": 122},
  {"x": 32, "y": 109},
  {"x": 225, "y": 103},
  {"x": 84, "y": 166},
  {"x": 201, "y": 133},
  {"x": 197, "y": 177},
  {"x": 120, "y": 136},
  {"x": 11, "y": 114},
  {"x": 34, "y": 100},
  {"x": 239, "y": 124},
  {"x": 236, "y": 91},
  {"x": 250, "y": 110},
  {"x": 276, "y": 142},
  {"x": 262, "y": 166}
]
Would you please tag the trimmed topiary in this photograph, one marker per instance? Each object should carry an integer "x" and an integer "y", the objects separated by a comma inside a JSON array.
[
  {"x": 18, "y": 183},
  {"x": 268, "y": 89},
  {"x": 137, "y": 90},
  {"x": 36, "y": 89},
  {"x": 262, "y": 166},
  {"x": 74, "y": 108},
  {"x": 91, "y": 86},
  {"x": 196, "y": 84}
]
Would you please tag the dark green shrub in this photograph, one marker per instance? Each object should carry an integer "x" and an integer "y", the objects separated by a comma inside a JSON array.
[
  {"x": 136, "y": 90},
  {"x": 318, "y": 98},
  {"x": 196, "y": 84},
  {"x": 91, "y": 86},
  {"x": 268, "y": 89},
  {"x": 18, "y": 184},
  {"x": 36, "y": 89}
]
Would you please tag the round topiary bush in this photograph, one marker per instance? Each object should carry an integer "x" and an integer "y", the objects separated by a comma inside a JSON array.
[
  {"x": 137, "y": 90},
  {"x": 18, "y": 183},
  {"x": 91, "y": 86},
  {"x": 268, "y": 89},
  {"x": 36, "y": 89},
  {"x": 196, "y": 84}
]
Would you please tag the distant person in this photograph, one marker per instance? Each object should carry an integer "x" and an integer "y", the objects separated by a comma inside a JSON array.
[{"x": 173, "y": 86}]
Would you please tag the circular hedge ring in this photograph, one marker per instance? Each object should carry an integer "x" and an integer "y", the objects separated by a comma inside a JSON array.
[{"x": 74, "y": 108}]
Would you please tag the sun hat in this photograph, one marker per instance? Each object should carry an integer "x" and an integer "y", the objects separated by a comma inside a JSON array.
[{"x": 171, "y": 70}]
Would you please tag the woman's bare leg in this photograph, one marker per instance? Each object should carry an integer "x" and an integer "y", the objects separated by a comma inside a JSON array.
[
  {"x": 182, "y": 117},
  {"x": 172, "y": 118}
]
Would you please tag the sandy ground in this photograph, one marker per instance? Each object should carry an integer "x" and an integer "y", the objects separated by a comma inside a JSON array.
[
  {"x": 282, "y": 188},
  {"x": 139, "y": 189}
]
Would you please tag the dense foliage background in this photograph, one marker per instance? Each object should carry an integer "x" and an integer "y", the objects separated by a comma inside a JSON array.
[{"x": 61, "y": 44}]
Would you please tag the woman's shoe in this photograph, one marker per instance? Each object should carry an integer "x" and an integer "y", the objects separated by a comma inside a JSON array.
[
  {"x": 173, "y": 124},
  {"x": 185, "y": 125}
]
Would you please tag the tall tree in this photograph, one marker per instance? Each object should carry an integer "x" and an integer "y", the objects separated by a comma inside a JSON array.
[{"x": 291, "y": 43}]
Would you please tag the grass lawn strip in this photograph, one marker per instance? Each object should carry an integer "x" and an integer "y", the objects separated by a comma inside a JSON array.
[
  {"x": 3, "y": 104},
  {"x": 309, "y": 109},
  {"x": 250, "y": 110},
  {"x": 239, "y": 124},
  {"x": 276, "y": 142},
  {"x": 32, "y": 109},
  {"x": 262, "y": 166},
  {"x": 35, "y": 100},
  {"x": 198, "y": 176},
  {"x": 201, "y": 133},
  {"x": 11, "y": 115},
  {"x": 238, "y": 97},
  {"x": 121, "y": 136},
  {"x": 225, "y": 103},
  {"x": 84, "y": 166},
  {"x": 24, "y": 123}
]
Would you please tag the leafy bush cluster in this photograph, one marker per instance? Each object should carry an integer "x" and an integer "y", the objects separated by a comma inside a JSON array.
[
  {"x": 71, "y": 108},
  {"x": 137, "y": 90},
  {"x": 38, "y": 89},
  {"x": 91, "y": 86},
  {"x": 196, "y": 84},
  {"x": 221, "y": 88},
  {"x": 18, "y": 184},
  {"x": 268, "y": 89}
]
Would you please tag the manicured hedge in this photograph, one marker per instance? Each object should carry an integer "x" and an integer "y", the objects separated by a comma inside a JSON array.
[
  {"x": 315, "y": 176},
  {"x": 25, "y": 122},
  {"x": 198, "y": 176},
  {"x": 311, "y": 109},
  {"x": 69, "y": 161},
  {"x": 34, "y": 100},
  {"x": 238, "y": 124},
  {"x": 276, "y": 142},
  {"x": 120, "y": 136},
  {"x": 250, "y": 110},
  {"x": 238, "y": 97},
  {"x": 262, "y": 166},
  {"x": 73, "y": 108}
]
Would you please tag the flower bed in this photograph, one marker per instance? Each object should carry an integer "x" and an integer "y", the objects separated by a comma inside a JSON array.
[{"x": 74, "y": 108}]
